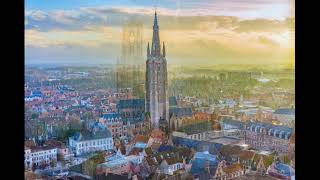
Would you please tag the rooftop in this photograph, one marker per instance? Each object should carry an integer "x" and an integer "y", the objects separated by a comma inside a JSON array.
[
  {"x": 131, "y": 103},
  {"x": 205, "y": 155},
  {"x": 173, "y": 160},
  {"x": 255, "y": 176},
  {"x": 283, "y": 132},
  {"x": 284, "y": 169},
  {"x": 228, "y": 123},
  {"x": 285, "y": 111},
  {"x": 41, "y": 148},
  {"x": 140, "y": 145},
  {"x": 196, "y": 128},
  {"x": 141, "y": 138},
  {"x": 135, "y": 151},
  {"x": 246, "y": 154},
  {"x": 110, "y": 116},
  {"x": 232, "y": 168},
  {"x": 114, "y": 163},
  {"x": 229, "y": 150},
  {"x": 55, "y": 143},
  {"x": 180, "y": 111},
  {"x": 225, "y": 140},
  {"x": 90, "y": 135}
]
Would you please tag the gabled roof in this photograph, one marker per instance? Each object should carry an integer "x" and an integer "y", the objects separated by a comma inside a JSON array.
[
  {"x": 196, "y": 128},
  {"x": 267, "y": 159},
  {"x": 141, "y": 138},
  {"x": 180, "y": 111},
  {"x": 97, "y": 125},
  {"x": 131, "y": 103},
  {"x": 90, "y": 135},
  {"x": 255, "y": 176},
  {"x": 205, "y": 155},
  {"x": 246, "y": 155},
  {"x": 55, "y": 143},
  {"x": 41, "y": 148},
  {"x": 284, "y": 169},
  {"x": 135, "y": 151},
  {"x": 201, "y": 160},
  {"x": 230, "y": 150},
  {"x": 234, "y": 123},
  {"x": 232, "y": 168},
  {"x": 29, "y": 143},
  {"x": 173, "y": 160}
]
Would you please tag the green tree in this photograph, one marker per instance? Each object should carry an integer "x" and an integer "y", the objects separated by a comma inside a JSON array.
[
  {"x": 53, "y": 163},
  {"x": 89, "y": 166},
  {"x": 34, "y": 116}
]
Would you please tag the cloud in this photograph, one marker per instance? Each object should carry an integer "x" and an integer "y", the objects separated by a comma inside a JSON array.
[
  {"x": 90, "y": 37},
  {"x": 65, "y": 17},
  {"x": 267, "y": 41},
  {"x": 97, "y": 30},
  {"x": 264, "y": 25},
  {"x": 36, "y": 15}
]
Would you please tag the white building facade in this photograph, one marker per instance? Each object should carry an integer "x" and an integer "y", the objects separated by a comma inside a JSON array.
[
  {"x": 36, "y": 156},
  {"x": 84, "y": 143}
]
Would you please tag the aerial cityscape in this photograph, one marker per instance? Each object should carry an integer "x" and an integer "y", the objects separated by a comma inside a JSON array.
[{"x": 159, "y": 90}]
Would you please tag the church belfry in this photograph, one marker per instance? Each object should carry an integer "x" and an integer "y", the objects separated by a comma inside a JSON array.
[{"x": 157, "y": 103}]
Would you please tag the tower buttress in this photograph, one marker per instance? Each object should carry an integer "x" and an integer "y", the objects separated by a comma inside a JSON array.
[
  {"x": 163, "y": 50},
  {"x": 148, "y": 51}
]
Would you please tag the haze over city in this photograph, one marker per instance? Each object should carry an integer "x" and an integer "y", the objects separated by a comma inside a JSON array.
[
  {"x": 195, "y": 32},
  {"x": 159, "y": 90}
]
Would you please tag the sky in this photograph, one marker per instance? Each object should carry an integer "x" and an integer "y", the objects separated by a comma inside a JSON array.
[{"x": 194, "y": 31}]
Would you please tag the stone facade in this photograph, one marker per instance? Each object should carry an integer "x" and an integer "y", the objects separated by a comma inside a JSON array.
[
  {"x": 157, "y": 102},
  {"x": 268, "y": 137}
]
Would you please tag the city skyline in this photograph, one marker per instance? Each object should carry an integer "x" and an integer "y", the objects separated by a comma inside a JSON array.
[
  {"x": 170, "y": 89},
  {"x": 82, "y": 32}
]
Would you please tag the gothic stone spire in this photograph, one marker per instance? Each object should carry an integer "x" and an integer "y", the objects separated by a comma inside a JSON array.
[{"x": 155, "y": 48}]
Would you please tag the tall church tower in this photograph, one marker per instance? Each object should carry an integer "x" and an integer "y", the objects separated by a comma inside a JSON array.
[{"x": 157, "y": 103}]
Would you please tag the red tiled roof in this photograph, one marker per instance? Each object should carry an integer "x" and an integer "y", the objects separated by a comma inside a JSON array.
[
  {"x": 232, "y": 168},
  {"x": 41, "y": 148},
  {"x": 172, "y": 160},
  {"x": 135, "y": 151},
  {"x": 246, "y": 155},
  {"x": 29, "y": 143},
  {"x": 141, "y": 138},
  {"x": 54, "y": 143}
]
